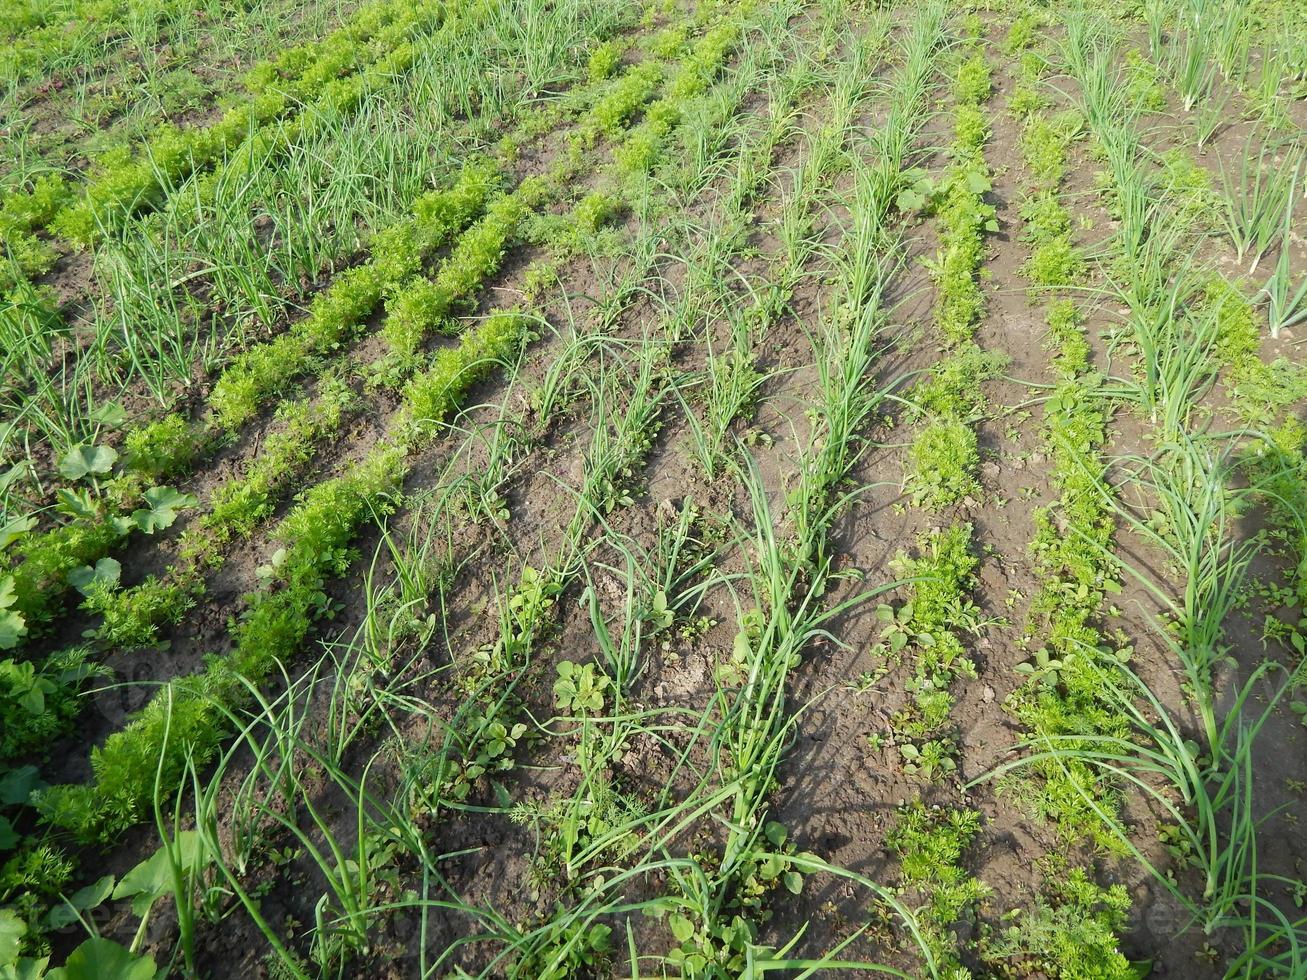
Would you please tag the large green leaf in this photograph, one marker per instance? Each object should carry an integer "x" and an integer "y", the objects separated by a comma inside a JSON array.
[
  {"x": 15, "y": 529},
  {"x": 82, "y": 900},
  {"x": 164, "y": 502},
  {"x": 107, "y": 571},
  {"x": 82, "y": 461},
  {"x": 25, "y": 969},
  {"x": 150, "y": 880},
  {"x": 12, "y": 629},
  {"x": 12, "y": 930},
  {"x": 75, "y": 503},
  {"x": 104, "y": 959},
  {"x": 9, "y": 839},
  {"x": 15, "y": 473},
  {"x": 16, "y": 785},
  {"x": 682, "y": 928},
  {"x": 112, "y": 414}
]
